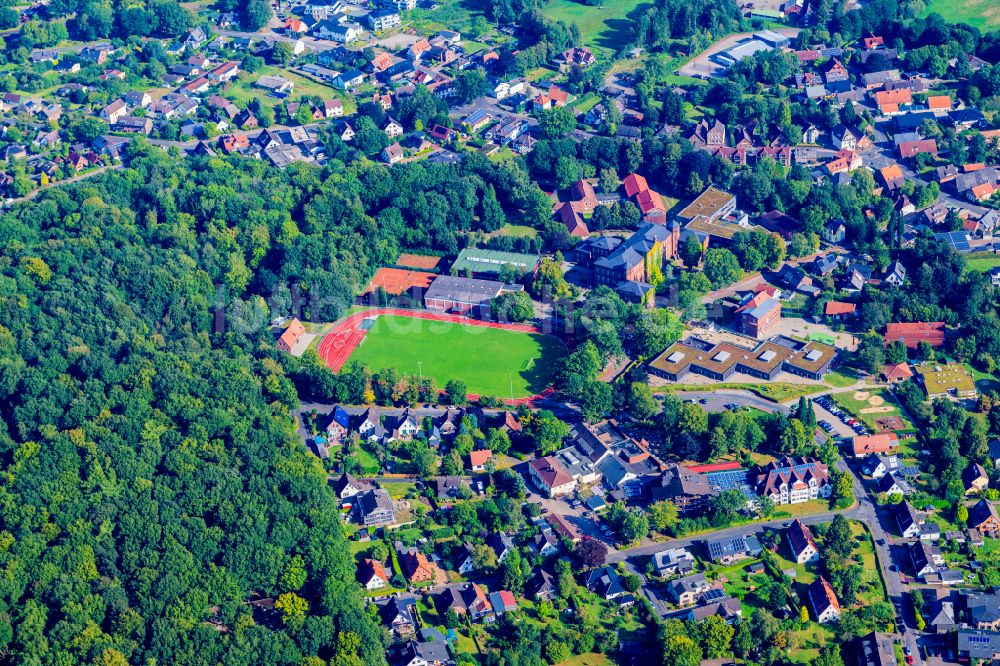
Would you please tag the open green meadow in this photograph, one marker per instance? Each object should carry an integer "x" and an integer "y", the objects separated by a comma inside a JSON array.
[
  {"x": 242, "y": 90},
  {"x": 983, "y": 14},
  {"x": 490, "y": 361},
  {"x": 605, "y": 28},
  {"x": 982, "y": 262}
]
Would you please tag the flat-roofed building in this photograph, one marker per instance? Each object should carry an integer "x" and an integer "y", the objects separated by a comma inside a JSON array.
[
  {"x": 765, "y": 361},
  {"x": 462, "y": 295},
  {"x": 491, "y": 262},
  {"x": 947, "y": 381},
  {"x": 712, "y": 204}
]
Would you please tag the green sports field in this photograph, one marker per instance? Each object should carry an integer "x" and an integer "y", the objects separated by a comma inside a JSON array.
[
  {"x": 488, "y": 360},
  {"x": 983, "y": 14},
  {"x": 603, "y": 28}
]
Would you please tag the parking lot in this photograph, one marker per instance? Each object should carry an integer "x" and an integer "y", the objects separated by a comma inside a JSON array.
[{"x": 835, "y": 421}]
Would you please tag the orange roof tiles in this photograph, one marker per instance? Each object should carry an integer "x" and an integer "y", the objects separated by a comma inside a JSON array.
[
  {"x": 836, "y": 308},
  {"x": 634, "y": 183},
  {"x": 939, "y": 102},
  {"x": 911, "y": 334},
  {"x": 886, "y": 98},
  {"x": 291, "y": 335},
  {"x": 984, "y": 191},
  {"x": 897, "y": 371},
  {"x": 883, "y": 442},
  {"x": 891, "y": 173},
  {"x": 479, "y": 457}
]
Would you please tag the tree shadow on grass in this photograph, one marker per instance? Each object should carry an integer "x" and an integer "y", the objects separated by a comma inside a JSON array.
[
  {"x": 618, "y": 31},
  {"x": 540, "y": 373}
]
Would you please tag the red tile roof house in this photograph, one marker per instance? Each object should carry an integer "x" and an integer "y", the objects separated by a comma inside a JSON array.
[
  {"x": 550, "y": 476},
  {"x": 883, "y": 442},
  {"x": 873, "y": 42},
  {"x": 563, "y": 527},
  {"x": 801, "y": 541},
  {"x": 583, "y": 193},
  {"x": 839, "y": 309},
  {"x": 372, "y": 575},
  {"x": 291, "y": 335},
  {"x": 416, "y": 567},
  {"x": 234, "y": 142},
  {"x": 909, "y": 149},
  {"x": 912, "y": 334},
  {"x": 649, "y": 201},
  {"x": 889, "y": 101},
  {"x": 478, "y": 459},
  {"x": 573, "y": 220},
  {"x": 824, "y": 601},
  {"x": 897, "y": 372}
]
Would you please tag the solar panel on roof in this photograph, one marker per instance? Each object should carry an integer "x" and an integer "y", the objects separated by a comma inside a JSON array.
[{"x": 713, "y": 594}]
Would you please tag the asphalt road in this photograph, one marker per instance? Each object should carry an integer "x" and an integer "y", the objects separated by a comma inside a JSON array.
[
  {"x": 716, "y": 401},
  {"x": 648, "y": 550}
]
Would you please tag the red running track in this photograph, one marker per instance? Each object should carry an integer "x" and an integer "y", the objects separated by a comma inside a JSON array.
[{"x": 338, "y": 345}]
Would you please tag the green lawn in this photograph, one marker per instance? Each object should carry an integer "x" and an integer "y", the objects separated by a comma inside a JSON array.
[
  {"x": 369, "y": 463},
  {"x": 983, "y": 14},
  {"x": 776, "y": 391},
  {"x": 490, "y": 361},
  {"x": 587, "y": 102},
  {"x": 982, "y": 261},
  {"x": 587, "y": 659},
  {"x": 516, "y": 231},
  {"x": 397, "y": 489},
  {"x": 604, "y": 28},
  {"x": 841, "y": 379},
  {"x": 242, "y": 90},
  {"x": 472, "y": 47}
]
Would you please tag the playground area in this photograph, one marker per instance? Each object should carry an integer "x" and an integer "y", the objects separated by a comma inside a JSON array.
[{"x": 877, "y": 408}]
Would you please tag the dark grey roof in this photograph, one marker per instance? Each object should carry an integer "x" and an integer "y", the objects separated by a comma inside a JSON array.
[
  {"x": 875, "y": 650},
  {"x": 978, "y": 644},
  {"x": 745, "y": 545},
  {"x": 431, "y": 652},
  {"x": 374, "y": 500},
  {"x": 983, "y": 607},
  {"x": 690, "y": 583},
  {"x": 463, "y": 290},
  {"x": 605, "y": 582}
]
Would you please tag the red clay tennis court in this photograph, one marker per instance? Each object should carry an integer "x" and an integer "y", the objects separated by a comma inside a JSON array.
[{"x": 396, "y": 281}]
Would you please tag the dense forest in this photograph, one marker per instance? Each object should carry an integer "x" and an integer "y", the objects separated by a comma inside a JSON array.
[{"x": 153, "y": 485}]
